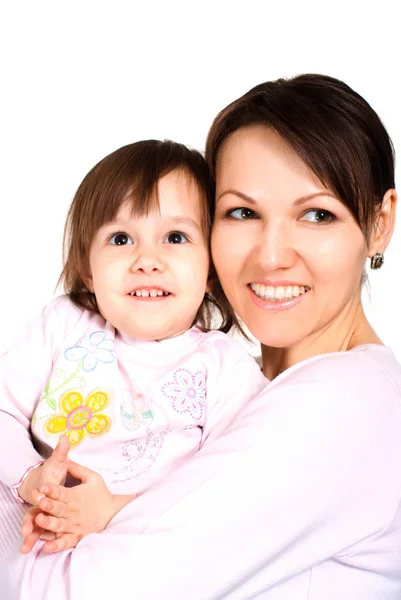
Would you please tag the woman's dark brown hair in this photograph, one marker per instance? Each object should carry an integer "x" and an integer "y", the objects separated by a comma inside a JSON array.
[
  {"x": 331, "y": 128},
  {"x": 130, "y": 174}
]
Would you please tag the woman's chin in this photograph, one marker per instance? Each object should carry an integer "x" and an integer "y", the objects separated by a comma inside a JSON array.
[{"x": 275, "y": 337}]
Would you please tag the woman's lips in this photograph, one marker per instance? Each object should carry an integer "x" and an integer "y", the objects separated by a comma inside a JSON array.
[{"x": 278, "y": 303}]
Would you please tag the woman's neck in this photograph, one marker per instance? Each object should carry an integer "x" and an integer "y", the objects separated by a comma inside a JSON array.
[{"x": 342, "y": 334}]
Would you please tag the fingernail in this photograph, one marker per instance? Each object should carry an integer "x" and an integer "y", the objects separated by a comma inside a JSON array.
[
  {"x": 39, "y": 497},
  {"x": 44, "y": 489}
]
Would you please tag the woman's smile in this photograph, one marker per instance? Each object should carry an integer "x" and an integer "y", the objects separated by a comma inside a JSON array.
[{"x": 282, "y": 296}]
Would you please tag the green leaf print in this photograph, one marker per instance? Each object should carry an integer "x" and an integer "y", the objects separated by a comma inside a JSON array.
[{"x": 51, "y": 402}]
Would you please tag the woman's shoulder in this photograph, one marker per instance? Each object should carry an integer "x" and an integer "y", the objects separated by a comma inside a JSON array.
[{"x": 369, "y": 372}]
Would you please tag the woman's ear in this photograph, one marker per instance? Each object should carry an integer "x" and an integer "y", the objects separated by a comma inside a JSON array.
[{"x": 384, "y": 224}]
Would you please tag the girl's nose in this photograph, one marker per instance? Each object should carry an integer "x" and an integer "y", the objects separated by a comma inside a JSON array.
[{"x": 147, "y": 260}]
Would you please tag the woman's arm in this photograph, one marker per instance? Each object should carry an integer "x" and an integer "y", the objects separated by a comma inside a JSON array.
[{"x": 309, "y": 469}]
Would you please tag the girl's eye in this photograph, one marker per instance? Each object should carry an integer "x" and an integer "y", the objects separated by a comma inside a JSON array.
[
  {"x": 242, "y": 214},
  {"x": 176, "y": 238},
  {"x": 120, "y": 239},
  {"x": 319, "y": 216}
]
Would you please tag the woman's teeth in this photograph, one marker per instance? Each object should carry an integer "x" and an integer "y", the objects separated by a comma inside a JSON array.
[
  {"x": 280, "y": 292},
  {"x": 152, "y": 293}
]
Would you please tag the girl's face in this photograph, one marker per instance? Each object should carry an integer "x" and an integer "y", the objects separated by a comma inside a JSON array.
[
  {"x": 149, "y": 274},
  {"x": 288, "y": 253}
]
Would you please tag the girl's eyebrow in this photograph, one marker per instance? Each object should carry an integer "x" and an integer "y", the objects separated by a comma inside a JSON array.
[
  {"x": 178, "y": 220},
  {"x": 182, "y": 220},
  {"x": 297, "y": 202}
]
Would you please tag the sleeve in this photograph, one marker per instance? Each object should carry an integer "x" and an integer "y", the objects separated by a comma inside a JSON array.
[
  {"x": 238, "y": 380},
  {"x": 308, "y": 470},
  {"x": 24, "y": 371}
]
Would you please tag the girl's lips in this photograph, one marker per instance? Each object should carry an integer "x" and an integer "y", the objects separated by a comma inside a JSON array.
[
  {"x": 149, "y": 291},
  {"x": 276, "y": 305}
]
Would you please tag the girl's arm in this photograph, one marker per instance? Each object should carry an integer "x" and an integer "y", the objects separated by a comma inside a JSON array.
[
  {"x": 24, "y": 371},
  {"x": 309, "y": 470},
  {"x": 71, "y": 513}
]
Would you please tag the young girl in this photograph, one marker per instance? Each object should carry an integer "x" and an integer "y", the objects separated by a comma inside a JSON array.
[{"x": 123, "y": 371}]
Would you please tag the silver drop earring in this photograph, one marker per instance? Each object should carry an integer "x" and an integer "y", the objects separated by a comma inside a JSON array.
[{"x": 376, "y": 262}]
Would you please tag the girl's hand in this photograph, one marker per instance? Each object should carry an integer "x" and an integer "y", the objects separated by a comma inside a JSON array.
[
  {"x": 33, "y": 532},
  {"x": 53, "y": 470},
  {"x": 72, "y": 513}
]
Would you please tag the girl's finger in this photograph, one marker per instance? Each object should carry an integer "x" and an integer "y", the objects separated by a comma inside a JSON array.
[
  {"x": 64, "y": 542},
  {"x": 27, "y": 527},
  {"x": 56, "y": 524},
  {"x": 28, "y": 521},
  {"x": 54, "y": 508},
  {"x": 48, "y": 536},
  {"x": 56, "y": 492},
  {"x": 60, "y": 453},
  {"x": 31, "y": 540},
  {"x": 79, "y": 472}
]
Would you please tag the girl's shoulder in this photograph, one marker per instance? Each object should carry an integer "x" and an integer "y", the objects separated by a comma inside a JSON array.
[
  {"x": 61, "y": 316},
  {"x": 226, "y": 346}
]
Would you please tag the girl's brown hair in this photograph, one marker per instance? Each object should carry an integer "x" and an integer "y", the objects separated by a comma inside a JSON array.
[
  {"x": 331, "y": 128},
  {"x": 130, "y": 174}
]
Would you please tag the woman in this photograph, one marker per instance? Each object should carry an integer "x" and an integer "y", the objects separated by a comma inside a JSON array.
[{"x": 300, "y": 498}]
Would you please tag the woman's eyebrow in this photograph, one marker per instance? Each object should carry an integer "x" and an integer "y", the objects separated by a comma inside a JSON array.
[
  {"x": 236, "y": 193},
  {"x": 307, "y": 197},
  {"x": 297, "y": 202}
]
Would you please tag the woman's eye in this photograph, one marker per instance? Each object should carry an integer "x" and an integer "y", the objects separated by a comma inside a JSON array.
[
  {"x": 176, "y": 238},
  {"x": 242, "y": 214},
  {"x": 120, "y": 239},
  {"x": 319, "y": 216}
]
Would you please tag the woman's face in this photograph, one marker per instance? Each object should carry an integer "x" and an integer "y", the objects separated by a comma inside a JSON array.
[{"x": 288, "y": 253}]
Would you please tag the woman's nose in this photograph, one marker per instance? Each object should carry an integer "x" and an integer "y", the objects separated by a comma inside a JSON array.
[{"x": 275, "y": 249}]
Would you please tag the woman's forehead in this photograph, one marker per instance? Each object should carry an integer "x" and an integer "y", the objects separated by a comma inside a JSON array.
[{"x": 256, "y": 160}]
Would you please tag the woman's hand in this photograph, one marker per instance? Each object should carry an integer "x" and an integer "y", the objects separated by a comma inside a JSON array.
[
  {"x": 72, "y": 513},
  {"x": 53, "y": 470}
]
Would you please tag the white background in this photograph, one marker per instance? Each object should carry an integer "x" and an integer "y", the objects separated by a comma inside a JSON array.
[{"x": 81, "y": 78}]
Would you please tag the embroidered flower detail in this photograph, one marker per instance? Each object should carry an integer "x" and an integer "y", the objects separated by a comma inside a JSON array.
[
  {"x": 188, "y": 392},
  {"x": 80, "y": 417},
  {"x": 91, "y": 350},
  {"x": 136, "y": 409}
]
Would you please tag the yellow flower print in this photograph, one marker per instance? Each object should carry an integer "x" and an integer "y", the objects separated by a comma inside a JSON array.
[{"x": 80, "y": 418}]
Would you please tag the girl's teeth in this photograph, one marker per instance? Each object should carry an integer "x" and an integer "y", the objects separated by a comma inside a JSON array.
[
  {"x": 278, "y": 293},
  {"x": 152, "y": 293}
]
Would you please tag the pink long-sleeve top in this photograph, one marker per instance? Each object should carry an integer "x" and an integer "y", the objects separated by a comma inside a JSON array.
[
  {"x": 133, "y": 409},
  {"x": 298, "y": 499}
]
